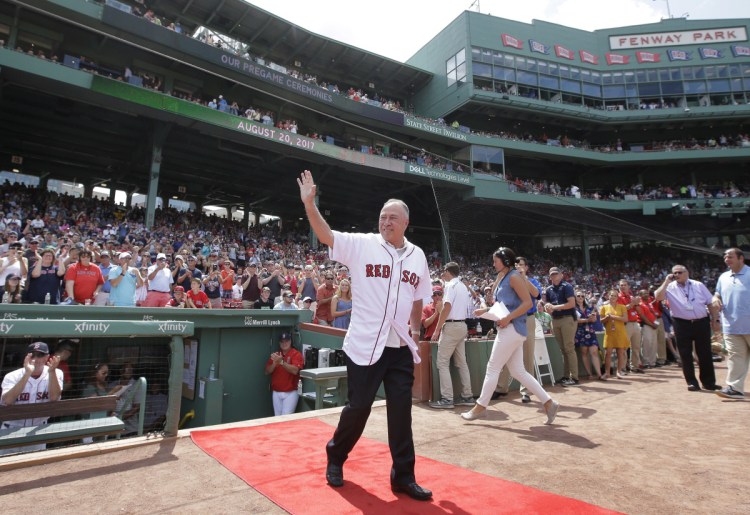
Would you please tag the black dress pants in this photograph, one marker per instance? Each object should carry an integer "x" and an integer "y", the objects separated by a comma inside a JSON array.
[
  {"x": 698, "y": 331},
  {"x": 395, "y": 369}
]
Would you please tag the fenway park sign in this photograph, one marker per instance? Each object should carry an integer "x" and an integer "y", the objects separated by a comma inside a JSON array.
[{"x": 687, "y": 37}]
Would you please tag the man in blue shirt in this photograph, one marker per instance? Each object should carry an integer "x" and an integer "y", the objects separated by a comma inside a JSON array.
[
  {"x": 535, "y": 290},
  {"x": 124, "y": 280},
  {"x": 732, "y": 300},
  {"x": 561, "y": 301}
]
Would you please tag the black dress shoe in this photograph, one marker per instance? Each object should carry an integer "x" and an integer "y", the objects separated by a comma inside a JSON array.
[
  {"x": 413, "y": 490},
  {"x": 335, "y": 475},
  {"x": 497, "y": 395},
  {"x": 694, "y": 388}
]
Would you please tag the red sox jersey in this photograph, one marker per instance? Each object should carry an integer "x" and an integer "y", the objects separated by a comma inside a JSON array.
[
  {"x": 36, "y": 390},
  {"x": 385, "y": 284}
]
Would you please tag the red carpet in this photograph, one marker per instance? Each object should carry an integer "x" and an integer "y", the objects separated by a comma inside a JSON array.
[{"x": 286, "y": 462}]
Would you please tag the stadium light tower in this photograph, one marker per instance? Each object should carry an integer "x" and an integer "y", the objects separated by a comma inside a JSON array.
[
  {"x": 669, "y": 11},
  {"x": 476, "y": 2}
]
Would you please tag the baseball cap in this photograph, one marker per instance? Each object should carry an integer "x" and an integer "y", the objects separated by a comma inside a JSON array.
[
  {"x": 285, "y": 336},
  {"x": 161, "y": 255},
  {"x": 252, "y": 265},
  {"x": 554, "y": 270},
  {"x": 437, "y": 289},
  {"x": 38, "y": 347},
  {"x": 308, "y": 267},
  {"x": 178, "y": 288},
  {"x": 307, "y": 299},
  {"x": 124, "y": 255},
  {"x": 104, "y": 253}
]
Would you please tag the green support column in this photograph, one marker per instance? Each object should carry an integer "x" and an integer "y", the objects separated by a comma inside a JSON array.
[
  {"x": 13, "y": 35},
  {"x": 257, "y": 218},
  {"x": 158, "y": 137},
  {"x": 585, "y": 249},
  {"x": 246, "y": 214},
  {"x": 112, "y": 194},
  {"x": 88, "y": 190},
  {"x": 43, "y": 180},
  {"x": 177, "y": 349}
]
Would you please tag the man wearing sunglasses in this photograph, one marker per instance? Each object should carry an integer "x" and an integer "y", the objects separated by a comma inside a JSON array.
[
  {"x": 692, "y": 313},
  {"x": 39, "y": 380}
]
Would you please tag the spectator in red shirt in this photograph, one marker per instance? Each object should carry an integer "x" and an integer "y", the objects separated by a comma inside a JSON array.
[
  {"x": 632, "y": 326},
  {"x": 227, "y": 281},
  {"x": 195, "y": 297},
  {"x": 83, "y": 280},
  {"x": 324, "y": 295},
  {"x": 649, "y": 327},
  {"x": 431, "y": 313}
]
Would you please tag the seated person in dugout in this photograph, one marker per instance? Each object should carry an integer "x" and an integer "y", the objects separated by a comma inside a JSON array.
[{"x": 39, "y": 380}]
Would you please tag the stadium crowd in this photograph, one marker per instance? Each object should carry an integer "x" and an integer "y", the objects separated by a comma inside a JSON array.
[
  {"x": 44, "y": 233},
  {"x": 705, "y": 192}
]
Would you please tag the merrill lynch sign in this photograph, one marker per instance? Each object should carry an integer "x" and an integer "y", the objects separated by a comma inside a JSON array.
[{"x": 687, "y": 37}]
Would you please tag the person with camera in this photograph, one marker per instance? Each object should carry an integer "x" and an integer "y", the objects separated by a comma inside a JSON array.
[
  {"x": 159, "y": 283},
  {"x": 251, "y": 287},
  {"x": 693, "y": 315},
  {"x": 13, "y": 263},
  {"x": 212, "y": 286}
]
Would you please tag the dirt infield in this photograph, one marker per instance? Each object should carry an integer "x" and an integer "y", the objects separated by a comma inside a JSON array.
[{"x": 643, "y": 445}]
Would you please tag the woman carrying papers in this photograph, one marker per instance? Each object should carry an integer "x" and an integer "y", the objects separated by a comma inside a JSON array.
[{"x": 512, "y": 301}]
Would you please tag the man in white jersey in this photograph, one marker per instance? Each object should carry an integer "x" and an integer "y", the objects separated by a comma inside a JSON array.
[
  {"x": 38, "y": 381},
  {"x": 391, "y": 277}
]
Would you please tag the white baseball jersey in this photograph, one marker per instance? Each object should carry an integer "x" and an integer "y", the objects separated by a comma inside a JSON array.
[
  {"x": 384, "y": 288},
  {"x": 35, "y": 391}
]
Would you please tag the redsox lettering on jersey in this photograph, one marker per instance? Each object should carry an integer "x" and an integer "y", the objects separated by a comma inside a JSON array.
[{"x": 384, "y": 272}]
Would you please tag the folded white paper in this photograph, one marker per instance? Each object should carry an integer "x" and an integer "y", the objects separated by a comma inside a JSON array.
[{"x": 496, "y": 312}]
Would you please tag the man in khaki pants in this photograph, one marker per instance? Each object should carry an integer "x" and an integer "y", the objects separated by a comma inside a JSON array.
[
  {"x": 560, "y": 304},
  {"x": 450, "y": 333}
]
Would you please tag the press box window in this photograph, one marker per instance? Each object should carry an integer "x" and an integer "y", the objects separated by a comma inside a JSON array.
[{"x": 455, "y": 67}]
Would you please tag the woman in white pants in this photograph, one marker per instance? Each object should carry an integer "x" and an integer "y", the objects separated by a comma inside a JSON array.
[{"x": 507, "y": 350}]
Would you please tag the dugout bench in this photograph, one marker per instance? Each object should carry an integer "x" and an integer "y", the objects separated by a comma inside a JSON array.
[{"x": 59, "y": 431}]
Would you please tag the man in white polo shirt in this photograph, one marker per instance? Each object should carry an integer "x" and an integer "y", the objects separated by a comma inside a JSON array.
[
  {"x": 390, "y": 276},
  {"x": 159, "y": 284},
  {"x": 450, "y": 333}
]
